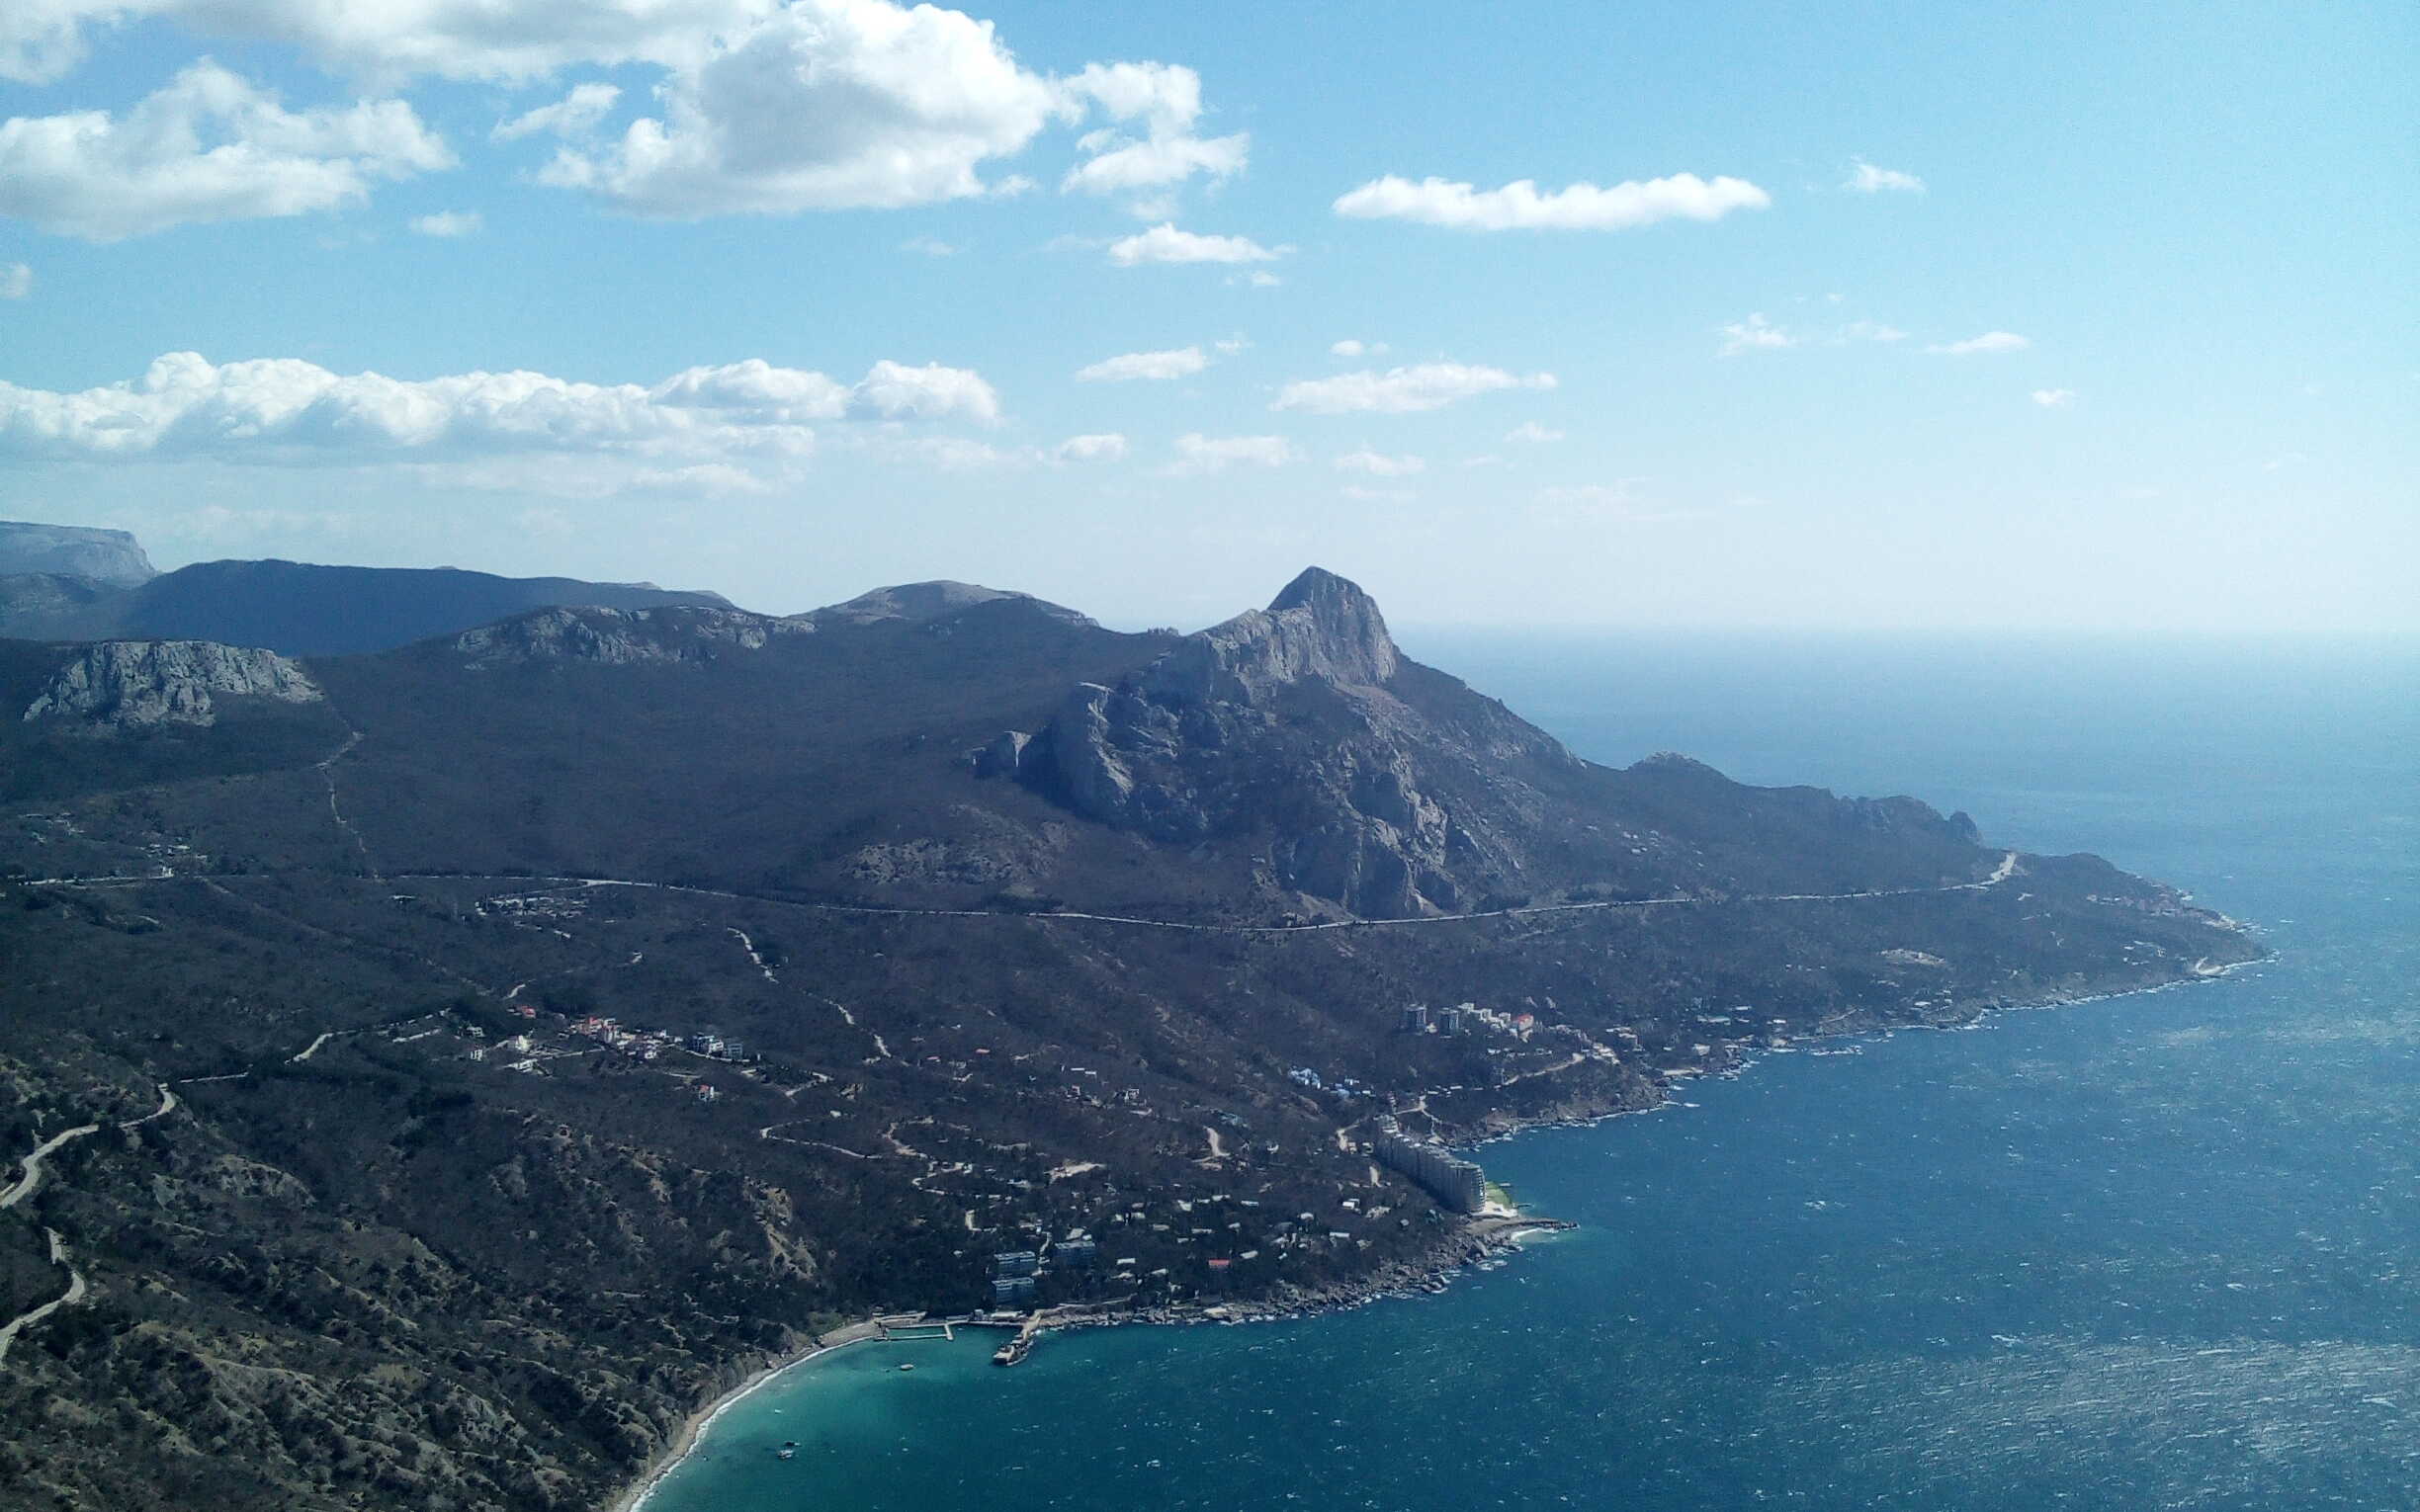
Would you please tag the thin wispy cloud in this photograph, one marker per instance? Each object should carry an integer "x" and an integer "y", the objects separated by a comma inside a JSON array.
[
  {"x": 1867, "y": 179},
  {"x": 1182, "y": 361},
  {"x": 1871, "y": 330},
  {"x": 1985, "y": 345},
  {"x": 1401, "y": 391},
  {"x": 1379, "y": 464},
  {"x": 1755, "y": 334},
  {"x": 1165, "y": 244},
  {"x": 448, "y": 223},
  {"x": 574, "y": 114},
  {"x": 1520, "y": 205},
  {"x": 1197, "y": 454},
  {"x": 1109, "y": 446}
]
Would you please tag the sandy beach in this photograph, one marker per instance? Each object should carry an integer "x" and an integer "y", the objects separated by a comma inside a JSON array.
[{"x": 635, "y": 1496}]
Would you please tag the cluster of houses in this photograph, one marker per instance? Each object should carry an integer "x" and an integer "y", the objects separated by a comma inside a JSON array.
[
  {"x": 650, "y": 1043},
  {"x": 1344, "y": 1086},
  {"x": 1466, "y": 1019}
]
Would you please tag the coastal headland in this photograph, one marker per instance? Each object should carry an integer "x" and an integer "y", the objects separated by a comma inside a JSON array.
[{"x": 499, "y": 1044}]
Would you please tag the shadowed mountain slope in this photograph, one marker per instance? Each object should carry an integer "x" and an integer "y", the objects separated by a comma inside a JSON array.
[
  {"x": 494, "y": 1043},
  {"x": 298, "y": 609}
]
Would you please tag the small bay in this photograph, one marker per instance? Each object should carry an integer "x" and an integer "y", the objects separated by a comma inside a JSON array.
[{"x": 2153, "y": 1251}]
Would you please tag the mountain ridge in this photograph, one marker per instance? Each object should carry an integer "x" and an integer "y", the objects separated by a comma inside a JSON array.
[{"x": 562, "y": 1009}]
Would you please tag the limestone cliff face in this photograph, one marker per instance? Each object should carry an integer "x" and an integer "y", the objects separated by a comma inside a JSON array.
[
  {"x": 1293, "y": 727},
  {"x": 623, "y": 636},
  {"x": 1321, "y": 627},
  {"x": 119, "y": 685},
  {"x": 114, "y": 557}
]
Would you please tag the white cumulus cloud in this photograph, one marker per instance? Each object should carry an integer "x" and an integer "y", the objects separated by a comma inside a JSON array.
[
  {"x": 1520, "y": 205},
  {"x": 506, "y": 39},
  {"x": 1163, "y": 243},
  {"x": 1984, "y": 345},
  {"x": 1400, "y": 390},
  {"x": 1199, "y": 454},
  {"x": 1866, "y": 179},
  {"x": 206, "y": 146},
  {"x": 285, "y": 411},
  {"x": 2054, "y": 399},
  {"x": 1184, "y": 362},
  {"x": 894, "y": 392},
  {"x": 826, "y": 104},
  {"x": 448, "y": 223},
  {"x": 1379, "y": 464},
  {"x": 574, "y": 114},
  {"x": 1166, "y": 100}
]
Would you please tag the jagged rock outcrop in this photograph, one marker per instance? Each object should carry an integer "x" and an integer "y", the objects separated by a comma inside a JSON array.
[
  {"x": 916, "y": 602},
  {"x": 119, "y": 685},
  {"x": 1288, "y": 725},
  {"x": 623, "y": 636},
  {"x": 1321, "y": 627},
  {"x": 114, "y": 557}
]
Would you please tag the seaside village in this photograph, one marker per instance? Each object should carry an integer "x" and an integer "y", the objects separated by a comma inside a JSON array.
[{"x": 1057, "y": 1278}]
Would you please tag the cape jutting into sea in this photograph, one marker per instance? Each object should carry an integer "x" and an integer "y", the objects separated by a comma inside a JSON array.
[{"x": 2154, "y": 1251}]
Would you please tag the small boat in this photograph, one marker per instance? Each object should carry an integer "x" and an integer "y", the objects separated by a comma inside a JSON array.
[
  {"x": 908, "y": 1366},
  {"x": 784, "y": 1453}
]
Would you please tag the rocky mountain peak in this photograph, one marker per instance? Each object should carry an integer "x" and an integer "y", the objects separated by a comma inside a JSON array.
[
  {"x": 1321, "y": 627},
  {"x": 1299, "y": 729}
]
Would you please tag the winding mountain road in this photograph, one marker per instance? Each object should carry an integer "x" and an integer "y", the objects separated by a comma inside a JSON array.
[
  {"x": 31, "y": 1182},
  {"x": 67, "y": 1298}
]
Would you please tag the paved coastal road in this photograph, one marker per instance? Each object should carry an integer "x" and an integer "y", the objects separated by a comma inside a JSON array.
[{"x": 2000, "y": 873}]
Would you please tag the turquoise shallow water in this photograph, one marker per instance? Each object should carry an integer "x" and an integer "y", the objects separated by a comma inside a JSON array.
[{"x": 2153, "y": 1252}]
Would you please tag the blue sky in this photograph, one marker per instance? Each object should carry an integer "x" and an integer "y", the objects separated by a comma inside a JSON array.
[{"x": 1867, "y": 317}]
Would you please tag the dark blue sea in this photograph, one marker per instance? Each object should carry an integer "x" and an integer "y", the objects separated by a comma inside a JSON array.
[{"x": 2152, "y": 1252}]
